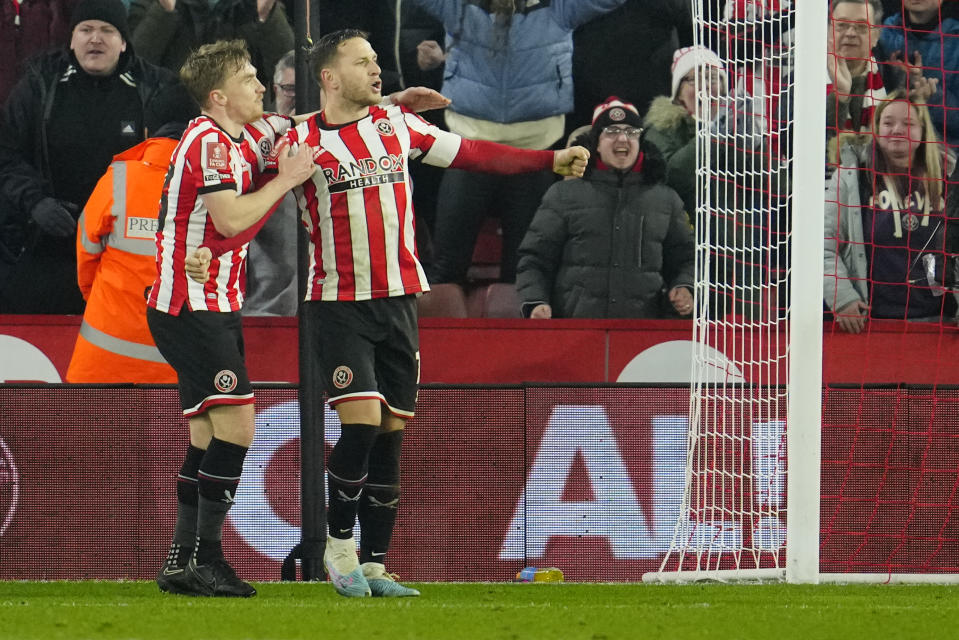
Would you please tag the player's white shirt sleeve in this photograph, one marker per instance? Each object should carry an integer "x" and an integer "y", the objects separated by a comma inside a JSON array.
[{"x": 429, "y": 143}]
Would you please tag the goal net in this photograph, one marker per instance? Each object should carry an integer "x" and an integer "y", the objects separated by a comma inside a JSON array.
[{"x": 788, "y": 478}]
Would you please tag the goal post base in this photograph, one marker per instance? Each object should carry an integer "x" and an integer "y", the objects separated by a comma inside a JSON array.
[
  {"x": 719, "y": 575},
  {"x": 779, "y": 575}
]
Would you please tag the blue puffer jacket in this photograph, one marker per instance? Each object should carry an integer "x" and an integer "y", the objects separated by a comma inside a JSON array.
[
  {"x": 940, "y": 59},
  {"x": 525, "y": 73}
]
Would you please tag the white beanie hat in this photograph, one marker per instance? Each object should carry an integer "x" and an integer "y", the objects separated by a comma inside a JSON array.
[{"x": 688, "y": 58}]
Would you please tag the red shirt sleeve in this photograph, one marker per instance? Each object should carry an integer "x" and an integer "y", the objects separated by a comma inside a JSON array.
[{"x": 492, "y": 157}]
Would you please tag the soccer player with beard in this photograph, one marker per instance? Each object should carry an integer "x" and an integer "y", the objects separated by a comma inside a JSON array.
[
  {"x": 363, "y": 282},
  {"x": 209, "y": 194}
]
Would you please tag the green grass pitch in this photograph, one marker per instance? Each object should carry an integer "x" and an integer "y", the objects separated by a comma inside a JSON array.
[{"x": 106, "y": 610}]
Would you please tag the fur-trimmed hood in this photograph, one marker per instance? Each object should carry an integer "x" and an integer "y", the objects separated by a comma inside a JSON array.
[{"x": 665, "y": 114}]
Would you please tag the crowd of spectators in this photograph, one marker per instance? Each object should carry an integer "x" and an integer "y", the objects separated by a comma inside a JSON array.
[
  {"x": 893, "y": 125},
  {"x": 527, "y": 74}
]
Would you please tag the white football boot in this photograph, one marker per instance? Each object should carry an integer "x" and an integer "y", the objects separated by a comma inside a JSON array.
[{"x": 344, "y": 569}]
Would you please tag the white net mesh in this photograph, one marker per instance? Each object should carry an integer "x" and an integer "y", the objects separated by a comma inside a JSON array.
[{"x": 733, "y": 513}]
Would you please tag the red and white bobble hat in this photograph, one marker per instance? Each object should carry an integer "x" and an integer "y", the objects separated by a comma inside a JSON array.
[
  {"x": 688, "y": 58},
  {"x": 615, "y": 111}
]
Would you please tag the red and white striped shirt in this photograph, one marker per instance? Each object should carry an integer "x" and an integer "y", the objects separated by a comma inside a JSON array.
[
  {"x": 358, "y": 204},
  {"x": 206, "y": 160}
]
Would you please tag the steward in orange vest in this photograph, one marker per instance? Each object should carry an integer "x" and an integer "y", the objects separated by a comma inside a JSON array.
[{"x": 116, "y": 262}]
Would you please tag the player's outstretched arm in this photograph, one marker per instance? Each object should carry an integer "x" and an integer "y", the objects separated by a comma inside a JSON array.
[{"x": 571, "y": 161}]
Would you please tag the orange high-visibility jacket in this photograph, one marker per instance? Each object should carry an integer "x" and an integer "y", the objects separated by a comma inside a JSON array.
[{"x": 116, "y": 262}]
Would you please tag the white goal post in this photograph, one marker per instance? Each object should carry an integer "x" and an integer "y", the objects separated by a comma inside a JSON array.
[{"x": 804, "y": 357}]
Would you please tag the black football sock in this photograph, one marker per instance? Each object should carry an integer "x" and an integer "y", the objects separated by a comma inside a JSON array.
[
  {"x": 381, "y": 497},
  {"x": 346, "y": 471},
  {"x": 184, "y": 533},
  {"x": 217, "y": 480}
]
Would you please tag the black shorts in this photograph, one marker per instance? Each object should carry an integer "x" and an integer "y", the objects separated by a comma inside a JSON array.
[
  {"x": 205, "y": 348},
  {"x": 368, "y": 350}
]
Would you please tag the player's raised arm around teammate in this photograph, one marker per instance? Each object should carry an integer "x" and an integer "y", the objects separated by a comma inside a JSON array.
[
  {"x": 232, "y": 213},
  {"x": 234, "y": 105}
]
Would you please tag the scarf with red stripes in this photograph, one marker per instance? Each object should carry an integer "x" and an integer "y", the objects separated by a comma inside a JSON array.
[{"x": 874, "y": 92}]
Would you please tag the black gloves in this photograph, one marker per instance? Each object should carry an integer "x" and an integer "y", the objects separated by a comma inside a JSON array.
[{"x": 55, "y": 217}]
